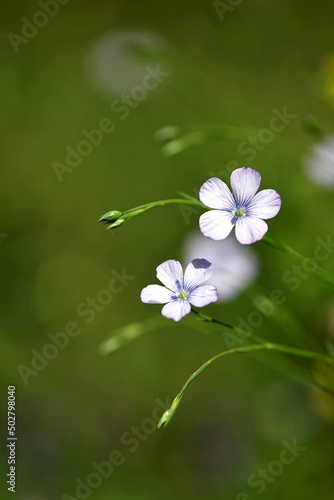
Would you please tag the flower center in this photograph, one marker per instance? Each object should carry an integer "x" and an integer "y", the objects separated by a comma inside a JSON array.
[
  {"x": 183, "y": 295},
  {"x": 239, "y": 211}
]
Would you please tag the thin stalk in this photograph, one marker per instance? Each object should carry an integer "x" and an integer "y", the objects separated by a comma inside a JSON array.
[
  {"x": 268, "y": 238},
  {"x": 260, "y": 340},
  {"x": 168, "y": 414},
  {"x": 280, "y": 315},
  {"x": 234, "y": 329},
  {"x": 289, "y": 365},
  {"x": 281, "y": 246},
  {"x": 133, "y": 212}
]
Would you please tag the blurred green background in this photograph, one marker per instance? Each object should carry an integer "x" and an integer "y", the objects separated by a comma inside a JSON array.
[{"x": 231, "y": 69}]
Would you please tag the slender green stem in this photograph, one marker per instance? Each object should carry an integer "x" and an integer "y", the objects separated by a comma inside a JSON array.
[
  {"x": 115, "y": 218},
  {"x": 269, "y": 239},
  {"x": 277, "y": 347},
  {"x": 284, "y": 364},
  {"x": 168, "y": 415},
  {"x": 199, "y": 134},
  {"x": 161, "y": 203},
  {"x": 281, "y": 246},
  {"x": 234, "y": 329},
  {"x": 280, "y": 315}
]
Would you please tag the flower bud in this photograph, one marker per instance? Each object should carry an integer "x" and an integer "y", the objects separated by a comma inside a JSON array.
[
  {"x": 167, "y": 133},
  {"x": 111, "y": 216},
  {"x": 117, "y": 223},
  {"x": 311, "y": 124}
]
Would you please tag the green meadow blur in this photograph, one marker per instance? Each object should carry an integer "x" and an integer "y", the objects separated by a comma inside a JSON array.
[{"x": 210, "y": 65}]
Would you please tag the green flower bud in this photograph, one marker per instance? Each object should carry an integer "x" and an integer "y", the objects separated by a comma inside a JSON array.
[
  {"x": 117, "y": 223},
  {"x": 167, "y": 133},
  {"x": 311, "y": 123},
  {"x": 180, "y": 144},
  {"x": 111, "y": 216}
]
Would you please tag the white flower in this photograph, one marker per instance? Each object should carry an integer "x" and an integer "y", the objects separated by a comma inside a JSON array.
[
  {"x": 179, "y": 292},
  {"x": 116, "y": 65},
  {"x": 234, "y": 266},
  {"x": 243, "y": 209},
  {"x": 319, "y": 164}
]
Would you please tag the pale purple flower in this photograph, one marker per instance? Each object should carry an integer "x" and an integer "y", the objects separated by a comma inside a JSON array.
[
  {"x": 234, "y": 266},
  {"x": 242, "y": 208},
  {"x": 180, "y": 293},
  {"x": 319, "y": 164}
]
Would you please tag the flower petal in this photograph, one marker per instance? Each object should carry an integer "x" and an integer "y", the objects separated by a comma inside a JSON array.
[
  {"x": 156, "y": 294},
  {"x": 197, "y": 271},
  {"x": 245, "y": 182},
  {"x": 249, "y": 229},
  {"x": 203, "y": 295},
  {"x": 170, "y": 273},
  {"x": 215, "y": 194},
  {"x": 216, "y": 224},
  {"x": 176, "y": 310},
  {"x": 265, "y": 204}
]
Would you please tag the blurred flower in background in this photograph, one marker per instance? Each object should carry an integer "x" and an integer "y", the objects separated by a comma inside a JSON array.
[
  {"x": 319, "y": 163},
  {"x": 324, "y": 375},
  {"x": 324, "y": 81},
  {"x": 234, "y": 266},
  {"x": 117, "y": 61}
]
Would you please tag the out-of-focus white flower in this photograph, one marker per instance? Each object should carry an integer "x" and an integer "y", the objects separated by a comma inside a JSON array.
[
  {"x": 234, "y": 266},
  {"x": 319, "y": 163},
  {"x": 117, "y": 62}
]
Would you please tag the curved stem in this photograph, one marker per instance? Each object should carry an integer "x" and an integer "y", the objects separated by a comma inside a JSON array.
[
  {"x": 284, "y": 363},
  {"x": 269, "y": 239},
  {"x": 234, "y": 329},
  {"x": 133, "y": 212},
  {"x": 281, "y": 246},
  {"x": 277, "y": 347},
  {"x": 280, "y": 315},
  {"x": 168, "y": 414}
]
